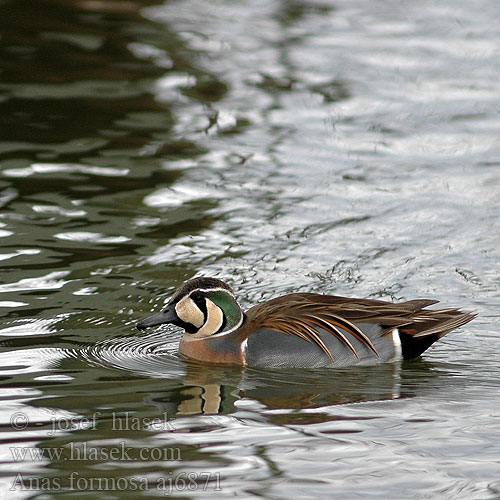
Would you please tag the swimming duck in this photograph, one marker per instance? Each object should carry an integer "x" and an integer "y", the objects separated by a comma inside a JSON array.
[{"x": 301, "y": 330}]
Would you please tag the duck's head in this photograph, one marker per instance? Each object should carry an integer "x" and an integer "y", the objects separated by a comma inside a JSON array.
[{"x": 202, "y": 306}]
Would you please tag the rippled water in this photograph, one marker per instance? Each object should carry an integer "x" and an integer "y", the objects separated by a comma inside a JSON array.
[{"x": 345, "y": 147}]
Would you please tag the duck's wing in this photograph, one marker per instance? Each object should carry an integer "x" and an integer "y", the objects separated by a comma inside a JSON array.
[{"x": 344, "y": 331}]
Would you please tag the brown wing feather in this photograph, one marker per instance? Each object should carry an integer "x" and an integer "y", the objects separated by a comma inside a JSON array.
[
  {"x": 334, "y": 331},
  {"x": 301, "y": 314},
  {"x": 352, "y": 329}
]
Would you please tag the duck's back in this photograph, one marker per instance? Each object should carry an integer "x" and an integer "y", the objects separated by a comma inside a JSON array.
[{"x": 312, "y": 331}]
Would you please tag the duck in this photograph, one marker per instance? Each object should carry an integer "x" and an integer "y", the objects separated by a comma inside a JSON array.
[{"x": 301, "y": 330}]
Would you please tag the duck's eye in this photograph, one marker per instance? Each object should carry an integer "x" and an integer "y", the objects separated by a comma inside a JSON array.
[{"x": 198, "y": 299}]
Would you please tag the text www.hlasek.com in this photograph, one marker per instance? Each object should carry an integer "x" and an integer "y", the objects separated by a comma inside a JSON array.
[{"x": 83, "y": 452}]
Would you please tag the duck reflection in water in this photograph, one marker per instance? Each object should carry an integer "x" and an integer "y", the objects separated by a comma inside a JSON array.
[{"x": 208, "y": 389}]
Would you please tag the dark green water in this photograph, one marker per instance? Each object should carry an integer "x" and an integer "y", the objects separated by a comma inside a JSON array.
[{"x": 345, "y": 147}]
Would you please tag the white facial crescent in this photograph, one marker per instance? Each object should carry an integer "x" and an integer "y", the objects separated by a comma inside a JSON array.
[
  {"x": 214, "y": 321},
  {"x": 189, "y": 312}
]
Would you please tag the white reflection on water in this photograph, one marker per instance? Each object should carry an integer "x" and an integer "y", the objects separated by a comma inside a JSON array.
[
  {"x": 53, "y": 168},
  {"x": 49, "y": 281},
  {"x": 27, "y": 251},
  {"x": 28, "y": 327},
  {"x": 177, "y": 195},
  {"x": 82, "y": 236}
]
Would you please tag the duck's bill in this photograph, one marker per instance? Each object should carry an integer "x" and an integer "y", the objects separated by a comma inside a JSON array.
[{"x": 166, "y": 316}]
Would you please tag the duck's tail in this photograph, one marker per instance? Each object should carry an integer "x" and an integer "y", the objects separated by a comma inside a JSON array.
[{"x": 427, "y": 326}]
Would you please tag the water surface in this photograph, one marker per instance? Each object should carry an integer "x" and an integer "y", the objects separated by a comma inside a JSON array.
[{"x": 342, "y": 147}]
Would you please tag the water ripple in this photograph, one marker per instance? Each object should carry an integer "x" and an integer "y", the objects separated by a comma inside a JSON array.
[{"x": 149, "y": 355}]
